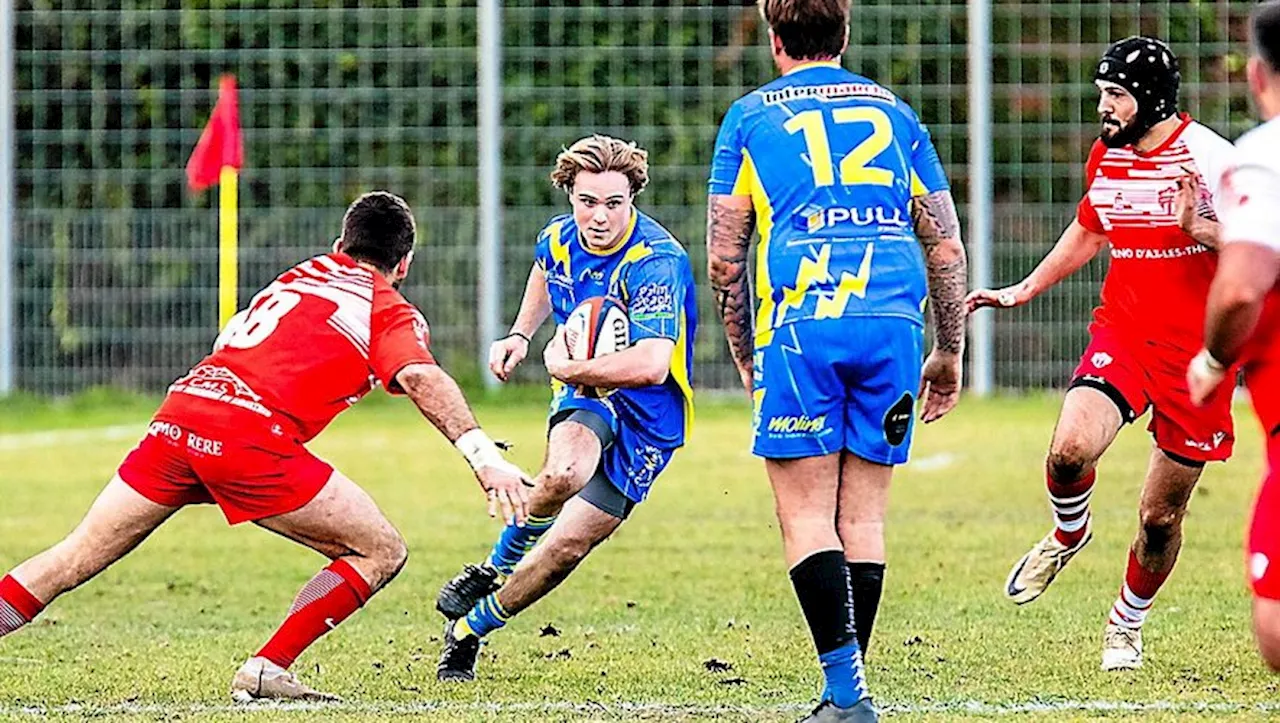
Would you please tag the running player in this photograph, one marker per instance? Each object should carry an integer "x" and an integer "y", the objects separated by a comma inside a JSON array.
[
  {"x": 1152, "y": 180},
  {"x": 846, "y": 188},
  {"x": 603, "y": 454},
  {"x": 232, "y": 432},
  {"x": 1244, "y": 303}
]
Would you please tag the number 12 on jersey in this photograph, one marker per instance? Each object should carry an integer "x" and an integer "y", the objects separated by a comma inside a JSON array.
[{"x": 853, "y": 167}]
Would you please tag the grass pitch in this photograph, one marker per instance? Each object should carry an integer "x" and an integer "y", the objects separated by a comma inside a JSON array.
[{"x": 687, "y": 614}]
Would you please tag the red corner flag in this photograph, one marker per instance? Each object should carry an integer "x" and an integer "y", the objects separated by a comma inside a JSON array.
[{"x": 220, "y": 144}]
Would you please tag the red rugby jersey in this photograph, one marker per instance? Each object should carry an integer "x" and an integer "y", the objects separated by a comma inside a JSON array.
[
  {"x": 1251, "y": 214},
  {"x": 310, "y": 344},
  {"x": 1158, "y": 281}
]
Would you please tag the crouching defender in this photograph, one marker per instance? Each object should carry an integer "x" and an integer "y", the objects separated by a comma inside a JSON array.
[
  {"x": 233, "y": 431},
  {"x": 603, "y": 454}
]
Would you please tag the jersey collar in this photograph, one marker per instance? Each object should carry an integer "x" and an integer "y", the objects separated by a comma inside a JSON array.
[
  {"x": 1185, "y": 119},
  {"x": 812, "y": 64},
  {"x": 624, "y": 240}
]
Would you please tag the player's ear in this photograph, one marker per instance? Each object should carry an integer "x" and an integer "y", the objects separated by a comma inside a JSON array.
[
  {"x": 1254, "y": 71},
  {"x": 775, "y": 43},
  {"x": 337, "y": 245},
  {"x": 845, "y": 47},
  {"x": 402, "y": 268}
]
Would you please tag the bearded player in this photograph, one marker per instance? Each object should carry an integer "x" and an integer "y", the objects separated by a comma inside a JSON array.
[
  {"x": 603, "y": 454},
  {"x": 1243, "y": 316},
  {"x": 232, "y": 432},
  {"x": 1152, "y": 183}
]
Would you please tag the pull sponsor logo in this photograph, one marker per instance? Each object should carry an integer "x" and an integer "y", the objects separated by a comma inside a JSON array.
[{"x": 814, "y": 218}]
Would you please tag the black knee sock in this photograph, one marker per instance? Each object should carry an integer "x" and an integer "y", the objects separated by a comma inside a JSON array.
[
  {"x": 867, "y": 580},
  {"x": 821, "y": 581}
]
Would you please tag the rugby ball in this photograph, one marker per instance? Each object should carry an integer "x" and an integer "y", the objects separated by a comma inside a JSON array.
[{"x": 598, "y": 326}]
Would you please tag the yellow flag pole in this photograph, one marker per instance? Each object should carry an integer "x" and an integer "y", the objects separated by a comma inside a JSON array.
[{"x": 228, "y": 253}]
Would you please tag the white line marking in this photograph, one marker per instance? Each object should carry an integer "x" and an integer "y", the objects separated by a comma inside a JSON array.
[
  {"x": 974, "y": 707},
  {"x": 63, "y": 437},
  {"x": 933, "y": 462}
]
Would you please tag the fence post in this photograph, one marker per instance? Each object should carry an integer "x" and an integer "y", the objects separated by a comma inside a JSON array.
[
  {"x": 982, "y": 348},
  {"x": 489, "y": 91},
  {"x": 8, "y": 199}
]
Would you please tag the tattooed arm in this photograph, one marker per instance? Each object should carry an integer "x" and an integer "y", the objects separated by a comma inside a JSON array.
[
  {"x": 938, "y": 229},
  {"x": 730, "y": 223}
]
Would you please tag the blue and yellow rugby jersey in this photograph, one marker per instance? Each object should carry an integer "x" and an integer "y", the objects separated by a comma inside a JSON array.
[
  {"x": 650, "y": 273},
  {"x": 831, "y": 161}
]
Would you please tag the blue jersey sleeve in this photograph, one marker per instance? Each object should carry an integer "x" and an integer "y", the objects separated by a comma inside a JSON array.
[
  {"x": 542, "y": 249},
  {"x": 927, "y": 175},
  {"x": 729, "y": 156},
  {"x": 655, "y": 298}
]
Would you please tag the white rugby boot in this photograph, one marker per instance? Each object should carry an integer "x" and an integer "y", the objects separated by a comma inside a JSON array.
[
  {"x": 1031, "y": 576},
  {"x": 1121, "y": 648},
  {"x": 261, "y": 679}
]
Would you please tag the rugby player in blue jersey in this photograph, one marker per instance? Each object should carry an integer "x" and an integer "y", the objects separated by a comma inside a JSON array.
[
  {"x": 603, "y": 451},
  {"x": 857, "y": 228}
]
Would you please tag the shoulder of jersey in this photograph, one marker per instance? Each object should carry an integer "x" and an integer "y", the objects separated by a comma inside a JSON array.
[
  {"x": 1096, "y": 152},
  {"x": 1197, "y": 132},
  {"x": 657, "y": 237},
  {"x": 1262, "y": 139},
  {"x": 562, "y": 219}
]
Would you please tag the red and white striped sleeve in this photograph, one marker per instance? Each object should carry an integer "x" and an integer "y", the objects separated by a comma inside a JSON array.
[{"x": 400, "y": 336}]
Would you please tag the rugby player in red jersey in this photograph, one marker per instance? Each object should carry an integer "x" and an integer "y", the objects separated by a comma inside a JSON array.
[
  {"x": 1152, "y": 181},
  {"x": 232, "y": 432},
  {"x": 1243, "y": 319}
]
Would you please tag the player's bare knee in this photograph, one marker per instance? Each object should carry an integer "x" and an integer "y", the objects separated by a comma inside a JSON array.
[
  {"x": 1068, "y": 462},
  {"x": 385, "y": 553},
  {"x": 397, "y": 555},
  {"x": 1270, "y": 650},
  {"x": 1266, "y": 629},
  {"x": 1157, "y": 529},
  {"x": 560, "y": 479},
  {"x": 393, "y": 553}
]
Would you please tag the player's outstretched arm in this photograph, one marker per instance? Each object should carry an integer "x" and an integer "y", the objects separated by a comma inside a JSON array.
[
  {"x": 506, "y": 353},
  {"x": 938, "y": 228},
  {"x": 730, "y": 222},
  {"x": 1074, "y": 249},
  {"x": 438, "y": 397},
  {"x": 645, "y": 363}
]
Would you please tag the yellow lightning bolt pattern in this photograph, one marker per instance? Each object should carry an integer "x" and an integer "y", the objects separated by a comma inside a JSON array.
[
  {"x": 832, "y": 307},
  {"x": 811, "y": 271},
  {"x": 560, "y": 249},
  {"x": 817, "y": 271}
]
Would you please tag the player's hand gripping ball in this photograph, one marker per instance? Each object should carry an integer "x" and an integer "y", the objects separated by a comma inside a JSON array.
[{"x": 598, "y": 326}]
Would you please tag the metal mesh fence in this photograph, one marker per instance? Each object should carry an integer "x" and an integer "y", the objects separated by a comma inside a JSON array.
[{"x": 116, "y": 274}]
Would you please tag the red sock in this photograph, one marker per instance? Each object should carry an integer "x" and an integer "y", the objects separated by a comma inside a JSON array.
[
  {"x": 1139, "y": 591},
  {"x": 331, "y": 596},
  {"x": 1070, "y": 503},
  {"x": 1141, "y": 581},
  {"x": 17, "y": 605}
]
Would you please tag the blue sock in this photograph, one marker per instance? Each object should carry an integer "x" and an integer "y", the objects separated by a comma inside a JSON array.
[
  {"x": 846, "y": 680},
  {"x": 483, "y": 619},
  {"x": 515, "y": 542}
]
